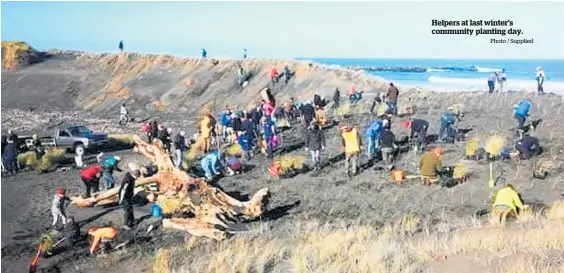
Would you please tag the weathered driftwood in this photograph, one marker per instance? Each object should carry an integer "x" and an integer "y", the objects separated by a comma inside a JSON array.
[{"x": 211, "y": 207}]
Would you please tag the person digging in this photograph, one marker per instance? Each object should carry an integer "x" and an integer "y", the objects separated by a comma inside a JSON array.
[
  {"x": 352, "y": 145},
  {"x": 506, "y": 202},
  {"x": 431, "y": 165}
]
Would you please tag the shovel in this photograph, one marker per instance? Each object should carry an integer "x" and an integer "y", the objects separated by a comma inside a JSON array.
[{"x": 491, "y": 183}]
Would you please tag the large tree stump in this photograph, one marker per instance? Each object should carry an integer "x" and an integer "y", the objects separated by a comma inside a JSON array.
[{"x": 211, "y": 207}]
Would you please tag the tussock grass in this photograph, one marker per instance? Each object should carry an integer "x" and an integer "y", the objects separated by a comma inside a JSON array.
[
  {"x": 288, "y": 162},
  {"x": 472, "y": 145},
  {"x": 122, "y": 138},
  {"x": 170, "y": 205},
  {"x": 162, "y": 261},
  {"x": 43, "y": 164},
  {"x": 234, "y": 150},
  {"x": 531, "y": 263},
  {"x": 555, "y": 211},
  {"x": 494, "y": 144},
  {"x": 335, "y": 247}
]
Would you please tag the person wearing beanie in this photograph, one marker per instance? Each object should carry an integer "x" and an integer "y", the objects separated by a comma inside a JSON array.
[
  {"x": 431, "y": 165},
  {"x": 60, "y": 203}
]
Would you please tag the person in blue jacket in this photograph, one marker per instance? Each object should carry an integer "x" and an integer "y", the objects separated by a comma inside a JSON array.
[
  {"x": 204, "y": 53},
  {"x": 225, "y": 120},
  {"x": 372, "y": 133},
  {"x": 521, "y": 112},
  {"x": 211, "y": 164},
  {"x": 246, "y": 143},
  {"x": 110, "y": 163},
  {"x": 448, "y": 119},
  {"x": 121, "y": 46}
]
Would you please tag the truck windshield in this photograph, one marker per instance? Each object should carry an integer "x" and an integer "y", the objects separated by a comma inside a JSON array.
[{"x": 79, "y": 130}]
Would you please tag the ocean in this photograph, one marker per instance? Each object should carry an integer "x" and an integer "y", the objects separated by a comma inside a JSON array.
[{"x": 458, "y": 75}]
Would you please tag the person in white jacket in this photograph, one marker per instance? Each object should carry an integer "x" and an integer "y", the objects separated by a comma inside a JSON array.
[
  {"x": 123, "y": 115},
  {"x": 60, "y": 203}
]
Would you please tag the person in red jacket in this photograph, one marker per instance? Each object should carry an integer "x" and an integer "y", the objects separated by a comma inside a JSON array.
[
  {"x": 273, "y": 75},
  {"x": 91, "y": 178}
]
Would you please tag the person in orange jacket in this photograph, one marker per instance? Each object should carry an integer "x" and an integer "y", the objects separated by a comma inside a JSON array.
[
  {"x": 206, "y": 130},
  {"x": 102, "y": 236},
  {"x": 352, "y": 145}
]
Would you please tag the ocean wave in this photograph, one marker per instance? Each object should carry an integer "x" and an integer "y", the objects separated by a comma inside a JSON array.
[
  {"x": 482, "y": 84},
  {"x": 486, "y": 69},
  {"x": 412, "y": 69}
]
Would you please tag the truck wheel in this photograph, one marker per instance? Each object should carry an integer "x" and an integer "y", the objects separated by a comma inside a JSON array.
[{"x": 79, "y": 149}]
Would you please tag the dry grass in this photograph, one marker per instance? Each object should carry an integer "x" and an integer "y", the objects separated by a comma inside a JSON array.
[
  {"x": 44, "y": 163},
  {"x": 162, "y": 261},
  {"x": 12, "y": 51},
  {"x": 538, "y": 263},
  {"x": 472, "y": 146},
  {"x": 315, "y": 247},
  {"x": 159, "y": 105},
  {"x": 234, "y": 150},
  {"x": 555, "y": 211},
  {"x": 170, "y": 206},
  {"x": 122, "y": 138},
  {"x": 494, "y": 144},
  {"x": 288, "y": 162}
]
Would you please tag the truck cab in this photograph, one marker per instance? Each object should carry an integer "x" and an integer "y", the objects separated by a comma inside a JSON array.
[{"x": 79, "y": 137}]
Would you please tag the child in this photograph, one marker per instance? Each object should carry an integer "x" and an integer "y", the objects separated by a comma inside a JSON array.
[{"x": 60, "y": 203}]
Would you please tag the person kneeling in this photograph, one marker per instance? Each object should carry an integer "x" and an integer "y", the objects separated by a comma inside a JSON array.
[
  {"x": 100, "y": 238},
  {"x": 528, "y": 147},
  {"x": 211, "y": 164},
  {"x": 233, "y": 166},
  {"x": 506, "y": 202}
]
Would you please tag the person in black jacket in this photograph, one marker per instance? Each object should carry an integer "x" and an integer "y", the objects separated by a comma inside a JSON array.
[
  {"x": 528, "y": 147},
  {"x": 308, "y": 113},
  {"x": 237, "y": 124},
  {"x": 387, "y": 144},
  {"x": 126, "y": 195},
  {"x": 336, "y": 98},
  {"x": 419, "y": 128},
  {"x": 9, "y": 156},
  {"x": 179, "y": 148},
  {"x": 154, "y": 131},
  {"x": 315, "y": 142}
]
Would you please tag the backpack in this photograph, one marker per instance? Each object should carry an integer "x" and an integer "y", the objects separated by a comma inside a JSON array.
[
  {"x": 109, "y": 162},
  {"x": 448, "y": 118}
]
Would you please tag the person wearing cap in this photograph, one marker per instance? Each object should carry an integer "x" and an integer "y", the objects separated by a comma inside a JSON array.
[
  {"x": 352, "y": 144},
  {"x": 90, "y": 176},
  {"x": 179, "y": 148},
  {"x": 392, "y": 97},
  {"x": 431, "y": 165},
  {"x": 126, "y": 192},
  {"x": 211, "y": 164},
  {"x": 60, "y": 203},
  {"x": 387, "y": 143},
  {"x": 540, "y": 80},
  {"x": 448, "y": 119},
  {"x": 418, "y": 129},
  {"x": 501, "y": 79},
  {"x": 109, "y": 164}
]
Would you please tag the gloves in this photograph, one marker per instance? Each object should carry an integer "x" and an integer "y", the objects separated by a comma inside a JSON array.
[{"x": 307, "y": 149}]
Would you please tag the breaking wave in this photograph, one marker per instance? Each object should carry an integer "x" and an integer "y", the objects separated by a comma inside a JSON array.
[
  {"x": 482, "y": 84},
  {"x": 413, "y": 69},
  {"x": 486, "y": 69}
]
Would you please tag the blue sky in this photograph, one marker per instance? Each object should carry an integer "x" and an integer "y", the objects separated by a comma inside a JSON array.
[{"x": 284, "y": 29}]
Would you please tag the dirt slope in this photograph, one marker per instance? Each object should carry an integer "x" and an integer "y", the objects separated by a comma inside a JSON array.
[{"x": 154, "y": 83}]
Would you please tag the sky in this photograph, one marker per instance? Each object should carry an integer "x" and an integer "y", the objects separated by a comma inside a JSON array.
[{"x": 285, "y": 29}]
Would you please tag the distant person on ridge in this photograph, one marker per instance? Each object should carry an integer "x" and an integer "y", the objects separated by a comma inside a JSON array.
[
  {"x": 240, "y": 75},
  {"x": 245, "y": 53},
  {"x": 501, "y": 79},
  {"x": 121, "y": 46},
  {"x": 491, "y": 81},
  {"x": 540, "y": 79},
  {"x": 204, "y": 53},
  {"x": 392, "y": 98}
]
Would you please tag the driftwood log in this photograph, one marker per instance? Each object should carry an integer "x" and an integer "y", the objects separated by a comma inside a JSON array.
[{"x": 212, "y": 209}]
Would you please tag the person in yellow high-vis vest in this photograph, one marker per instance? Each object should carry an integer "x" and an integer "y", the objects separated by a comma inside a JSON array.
[{"x": 352, "y": 145}]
